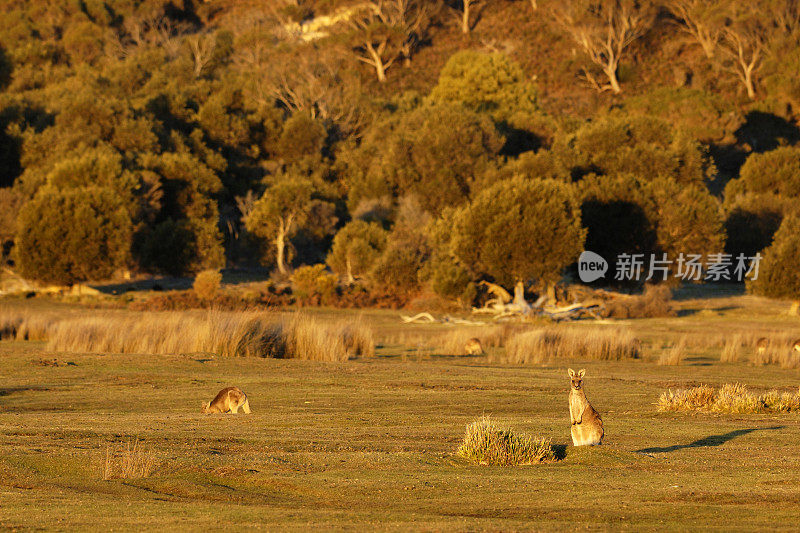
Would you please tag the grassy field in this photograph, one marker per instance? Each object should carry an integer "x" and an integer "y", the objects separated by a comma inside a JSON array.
[{"x": 370, "y": 443}]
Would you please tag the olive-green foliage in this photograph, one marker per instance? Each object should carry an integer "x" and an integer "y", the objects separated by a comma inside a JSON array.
[
  {"x": 642, "y": 145},
  {"x": 283, "y": 207},
  {"x": 451, "y": 280},
  {"x": 356, "y": 248},
  {"x": 408, "y": 248},
  {"x": 73, "y": 235},
  {"x": 779, "y": 275},
  {"x": 520, "y": 229},
  {"x": 313, "y": 284},
  {"x": 302, "y": 136},
  {"x": 774, "y": 172},
  {"x": 169, "y": 247},
  {"x": 438, "y": 153},
  {"x": 486, "y": 83},
  {"x": 704, "y": 116},
  {"x": 689, "y": 218}
]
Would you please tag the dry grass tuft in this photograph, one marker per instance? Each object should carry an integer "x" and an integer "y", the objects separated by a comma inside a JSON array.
[
  {"x": 675, "y": 355},
  {"x": 542, "y": 345},
  {"x": 487, "y": 443},
  {"x": 130, "y": 461},
  {"x": 730, "y": 398},
  {"x": 245, "y": 334},
  {"x": 731, "y": 349}
]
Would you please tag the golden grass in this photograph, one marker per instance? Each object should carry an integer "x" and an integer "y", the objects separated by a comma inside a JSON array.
[
  {"x": 487, "y": 443},
  {"x": 731, "y": 350},
  {"x": 542, "y": 345},
  {"x": 25, "y": 325},
  {"x": 675, "y": 355},
  {"x": 129, "y": 461},
  {"x": 243, "y": 334},
  {"x": 730, "y": 398}
]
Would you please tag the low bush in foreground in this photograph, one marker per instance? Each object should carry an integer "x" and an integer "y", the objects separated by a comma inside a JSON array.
[
  {"x": 487, "y": 443},
  {"x": 730, "y": 398},
  {"x": 542, "y": 345}
]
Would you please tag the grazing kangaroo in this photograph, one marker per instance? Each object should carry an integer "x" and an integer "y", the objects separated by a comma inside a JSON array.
[
  {"x": 587, "y": 426},
  {"x": 228, "y": 400},
  {"x": 473, "y": 347},
  {"x": 796, "y": 346}
]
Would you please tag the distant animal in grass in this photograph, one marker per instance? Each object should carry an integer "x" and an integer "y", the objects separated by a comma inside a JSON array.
[
  {"x": 473, "y": 347},
  {"x": 761, "y": 345},
  {"x": 796, "y": 347},
  {"x": 587, "y": 426},
  {"x": 228, "y": 400}
]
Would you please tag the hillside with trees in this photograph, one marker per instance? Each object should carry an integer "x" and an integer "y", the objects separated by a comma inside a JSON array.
[{"x": 409, "y": 145}]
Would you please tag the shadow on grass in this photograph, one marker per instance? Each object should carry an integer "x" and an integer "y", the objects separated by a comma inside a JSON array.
[
  {"x": 560, "y": 451},
  {"x": 705, "y": 442}
]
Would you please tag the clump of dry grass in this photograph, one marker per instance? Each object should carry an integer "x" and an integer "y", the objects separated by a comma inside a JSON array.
[
  {"x": 779, "y": 349},
  {"x": 132, "y": 460},
  {"x": 675, "y": 355},
  {"x": 246, "y": 334},
  {"x": 487, "y": 443},
  {"x": 207, "y": 284},
  {"x": 541, "y": 345},
  {"x": 730, "y": 398}
]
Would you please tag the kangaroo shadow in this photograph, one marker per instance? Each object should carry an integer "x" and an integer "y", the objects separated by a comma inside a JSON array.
[{"x": 705, "y": 442}]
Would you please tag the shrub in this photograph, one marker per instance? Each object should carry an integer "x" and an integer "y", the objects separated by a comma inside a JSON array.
[
  {"x": 487, "y": 443},
  {"x": 542, "y": 345},
  {"x": 730, "y": 398},
  {"x": 313, "y": 284},
  {"x": 207, "y": 284},
  {"x": 520, "y": 229},
  {"x": 779, "y": 276},
  {"x": 356, "y": 248},
  {"x": 73, "y": 235},
  {"x": 656, "y": 301}
]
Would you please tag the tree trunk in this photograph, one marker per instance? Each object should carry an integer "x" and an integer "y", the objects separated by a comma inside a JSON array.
[
  {"x": 377, "y": 62},
  {"x": 280, "y": 244},
  {"x": 794, "y": 310},
  {"x": 519, "y": 294},
  {"x": 611, "y": 73},
  {"x": 465, "y": 18},
  {"x": 350, "y": 278},
  {"x": 748, "y": 83}
]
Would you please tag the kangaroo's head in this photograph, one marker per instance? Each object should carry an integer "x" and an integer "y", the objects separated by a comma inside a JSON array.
[
  {"x": 576, "y": 380},
  {"x": 204, "y": 407}
]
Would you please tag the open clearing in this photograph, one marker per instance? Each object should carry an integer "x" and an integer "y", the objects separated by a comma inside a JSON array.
[{"x": 370, "y": 443}]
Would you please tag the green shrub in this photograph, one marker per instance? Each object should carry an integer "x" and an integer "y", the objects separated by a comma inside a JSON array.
[
  {"x": 313, "y": 284},
  {"x": 779, "y": 276},
  {"x": 487, "y": 443},
  {"x": 73, "y": 235}
]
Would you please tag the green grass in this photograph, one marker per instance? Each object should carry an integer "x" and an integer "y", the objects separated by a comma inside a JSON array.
[{"x": 371, "y": 443}]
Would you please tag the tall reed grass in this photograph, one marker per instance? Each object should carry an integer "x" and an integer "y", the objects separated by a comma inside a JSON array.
[
  {"x": 236, "y": 334},
  {"x": 542, "y": 345},
  {"x": 132, "y": 460}
]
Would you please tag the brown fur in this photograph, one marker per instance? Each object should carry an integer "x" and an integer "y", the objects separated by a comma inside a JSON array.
[
  {"x": 761, "y": 345},
  {"x": 228, "y": 400},
  {"x": 473, "y": 347},
  {"x": 587, "y": 426}
]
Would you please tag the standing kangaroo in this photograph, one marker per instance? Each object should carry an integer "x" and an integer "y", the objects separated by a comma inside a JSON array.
[
  {"x": 228, "y": 400},
  {"x": 587, "y": 426}
]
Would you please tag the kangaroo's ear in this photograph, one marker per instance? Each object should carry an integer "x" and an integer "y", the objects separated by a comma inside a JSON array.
[
  {"x": 571, "y": 372},
  {"x": 581, "y": 372}
]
